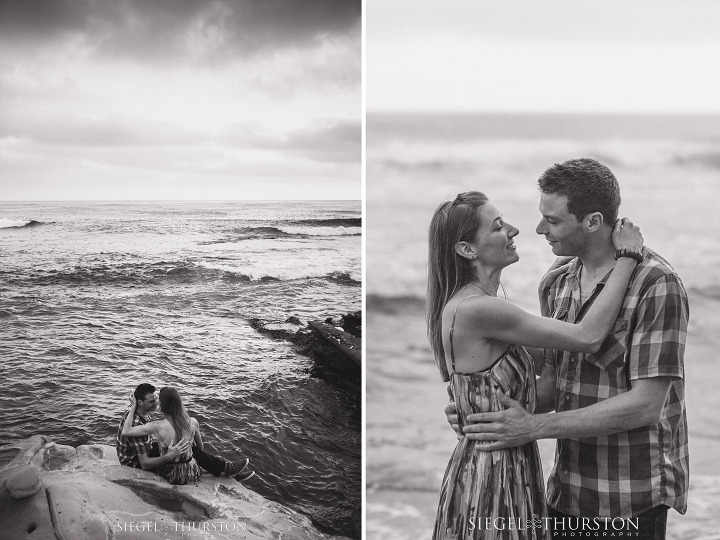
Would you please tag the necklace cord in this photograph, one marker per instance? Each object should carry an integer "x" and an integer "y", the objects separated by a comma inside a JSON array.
[{"x": 486, "y": 292}]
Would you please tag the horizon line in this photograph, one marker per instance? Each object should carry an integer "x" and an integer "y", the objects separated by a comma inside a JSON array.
[
  {"x": 540, "y": 113},
  {"x": 179, "y": 200}
]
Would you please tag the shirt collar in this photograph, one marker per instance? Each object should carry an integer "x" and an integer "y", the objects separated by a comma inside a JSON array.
[
  {"x": 574, "y": 271},
  {"x": 145, "y": 418}
]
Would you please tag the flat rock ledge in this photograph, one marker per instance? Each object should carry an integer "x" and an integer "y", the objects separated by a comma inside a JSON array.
[{"x": 53, "y": 491}]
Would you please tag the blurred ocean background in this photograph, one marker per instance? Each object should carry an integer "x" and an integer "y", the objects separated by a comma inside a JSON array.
[
  {"x": 98, "y": 297},
  {"x": 668, "y": 168}
]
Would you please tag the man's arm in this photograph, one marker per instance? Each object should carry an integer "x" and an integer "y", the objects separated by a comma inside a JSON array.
[
  {"x": 147, "y": 462},
  {"x": 656, "y": 359},
  {"x": 545, "y": 390},
  {"x": 640, "y": 406}
]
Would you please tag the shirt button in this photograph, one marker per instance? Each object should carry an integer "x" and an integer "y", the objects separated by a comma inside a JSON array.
[
  {"x": 567, "y": 397},
  {"x": 573, "y": 358}
]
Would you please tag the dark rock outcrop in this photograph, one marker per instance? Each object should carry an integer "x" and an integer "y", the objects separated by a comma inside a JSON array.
[{"x": 334, "y": 345}]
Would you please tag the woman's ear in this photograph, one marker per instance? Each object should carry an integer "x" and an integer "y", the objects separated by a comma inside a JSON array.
[{"x": 465, "y": 250}]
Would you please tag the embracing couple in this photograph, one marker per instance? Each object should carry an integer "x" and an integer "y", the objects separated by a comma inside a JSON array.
[
  {"x": 177, "y": 453},
  {"x": 609, "y": 351}
]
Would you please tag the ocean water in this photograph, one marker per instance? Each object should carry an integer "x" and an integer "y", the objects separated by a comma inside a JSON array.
[
  {"x": 98, "y": 297},
  {"x": 668, "y": 168}
]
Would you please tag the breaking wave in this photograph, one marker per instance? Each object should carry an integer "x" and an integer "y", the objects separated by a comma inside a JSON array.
[
  {"x": 177, "y": 273},
  {"x": 8, "y": 223}
]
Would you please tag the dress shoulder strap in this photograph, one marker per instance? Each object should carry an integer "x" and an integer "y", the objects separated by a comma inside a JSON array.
[{"x": 452, "y": 329}]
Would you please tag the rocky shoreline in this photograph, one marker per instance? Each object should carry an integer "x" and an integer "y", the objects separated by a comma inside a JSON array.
[
  {"x": 54, "y": 491},
  {"x": 335, "y": 345}
]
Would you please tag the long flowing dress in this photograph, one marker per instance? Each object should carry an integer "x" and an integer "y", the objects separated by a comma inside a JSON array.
[{"x": 499, "y": 494}]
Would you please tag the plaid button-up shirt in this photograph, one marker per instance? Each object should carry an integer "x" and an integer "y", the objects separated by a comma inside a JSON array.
[
  {"x": 128, "y": 448},
  {"x": 627, "y": 473}
]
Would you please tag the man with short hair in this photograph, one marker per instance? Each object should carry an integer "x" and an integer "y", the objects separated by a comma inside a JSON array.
[
  {"x": 620, "y": 421},
  {"x": 141, "y": 453}
]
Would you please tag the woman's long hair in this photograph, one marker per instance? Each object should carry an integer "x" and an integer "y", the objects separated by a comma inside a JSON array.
[
  {"x": 453, "y": 222},
  {"x": 172, "y": 407}
]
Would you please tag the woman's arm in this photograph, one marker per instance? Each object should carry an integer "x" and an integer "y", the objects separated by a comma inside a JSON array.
[
  {"x": 499, "y": 319},
  {"x": 136, "y": 431}
]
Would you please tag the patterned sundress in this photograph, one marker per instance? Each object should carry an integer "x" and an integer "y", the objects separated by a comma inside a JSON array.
[
  {"x": 499, "y": 494},
  {"x": 182, "y": 471}
]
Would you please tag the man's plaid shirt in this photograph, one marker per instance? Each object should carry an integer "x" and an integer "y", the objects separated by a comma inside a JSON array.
[
  {"x": 624, "y": 474},
  {"x": 128, "y": 448}
]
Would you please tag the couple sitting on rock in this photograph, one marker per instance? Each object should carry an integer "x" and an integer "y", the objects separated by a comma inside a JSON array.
[{"x": 178, "y": 455}]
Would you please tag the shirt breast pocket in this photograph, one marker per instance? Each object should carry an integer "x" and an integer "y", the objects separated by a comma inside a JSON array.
[{"x": 612, "y": 351}]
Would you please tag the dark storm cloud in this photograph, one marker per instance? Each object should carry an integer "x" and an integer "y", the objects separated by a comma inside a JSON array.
[
  {"x": 206, "y": 30},
  {"x": 41, "y": 18}
]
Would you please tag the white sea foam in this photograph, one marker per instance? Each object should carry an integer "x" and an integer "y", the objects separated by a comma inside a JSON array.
[
  {"x": 321, "y": 231},
  {"x": 6, "y": 223},
  {"x": 286, "y": 269}
]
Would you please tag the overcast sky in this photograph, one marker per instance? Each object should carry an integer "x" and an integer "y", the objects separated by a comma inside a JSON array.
[
  {"x": 180, "y": 99},
  {"x": 543, "y": 56}
]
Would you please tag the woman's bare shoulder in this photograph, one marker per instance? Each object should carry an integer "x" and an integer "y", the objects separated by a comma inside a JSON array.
[
  {"x": 464, "y": 301},
  {"x": 474, "y": 305}
]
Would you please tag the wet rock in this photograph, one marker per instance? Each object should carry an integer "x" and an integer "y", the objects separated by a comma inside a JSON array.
[
  {"x": 335, "y": 345},
  {"x": 287, "y": 331},
  {"x": 352, "y": 323}
]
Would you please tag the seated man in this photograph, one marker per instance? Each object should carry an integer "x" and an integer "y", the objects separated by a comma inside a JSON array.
[{"x": 140, "y": 453}]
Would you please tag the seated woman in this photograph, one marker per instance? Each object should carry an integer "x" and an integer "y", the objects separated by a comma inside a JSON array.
[{"x": 176, "y": 426}]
